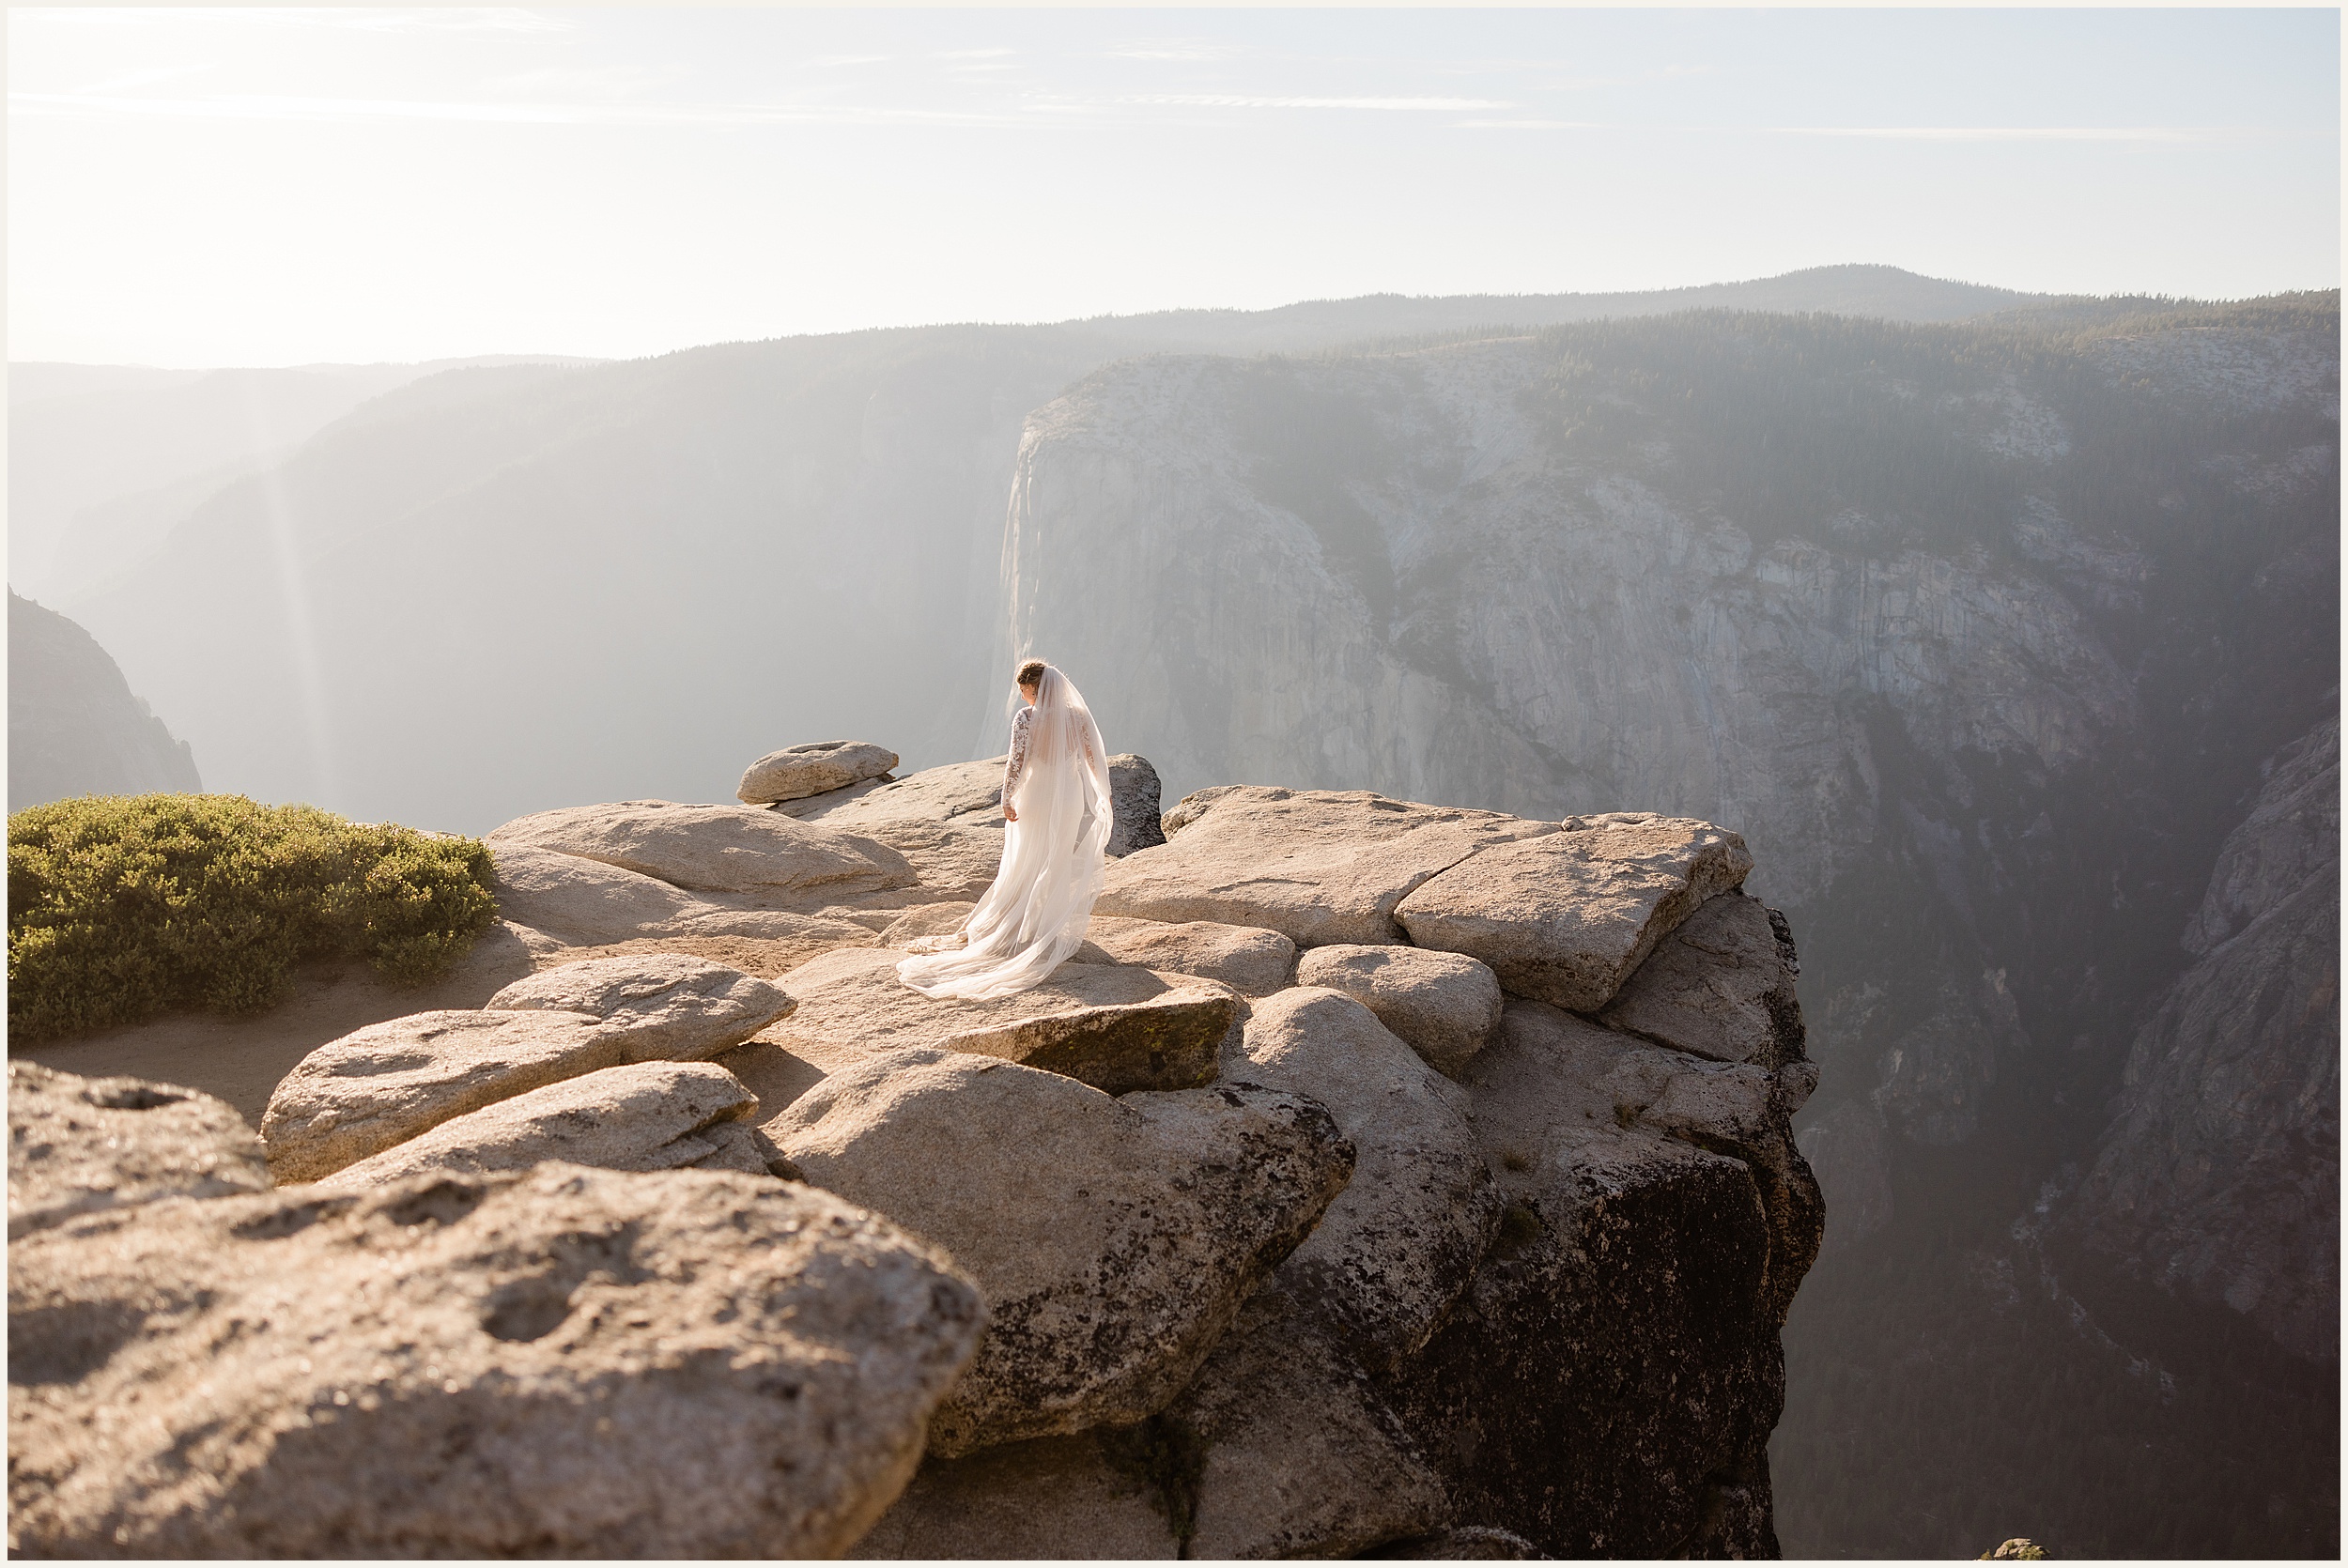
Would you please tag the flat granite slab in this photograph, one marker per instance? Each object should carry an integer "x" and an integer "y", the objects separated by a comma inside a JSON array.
[
  {"x": 388, "y": 1082},
  {"x": 969, "y": 794},
  {"x": 1317, "y": 866},
  {"x": 712, "y": 849},
  {"x": 1566, "y": 918},
  {"x": 638, "y": 1116},
  {"x": 1250, "y": 960},
  {"x": 559, "y": 1362},
  {"x": 674, "y": 1007},
  {"x": 1115, "y": 1026}
]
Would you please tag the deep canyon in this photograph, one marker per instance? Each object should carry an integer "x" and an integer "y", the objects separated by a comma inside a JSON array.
[{"x": 2004, "y": 629}]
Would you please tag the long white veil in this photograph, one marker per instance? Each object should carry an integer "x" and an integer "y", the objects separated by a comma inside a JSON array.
[{"x": 1040, "y": 904}]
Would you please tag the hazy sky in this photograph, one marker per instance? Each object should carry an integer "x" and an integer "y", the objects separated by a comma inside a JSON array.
[{"x": 274, "y": 187}]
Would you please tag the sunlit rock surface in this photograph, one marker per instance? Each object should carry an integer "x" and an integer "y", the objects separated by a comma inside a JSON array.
[
  {"x": 1246, "y": 1274},
  {"x": 670, "y": 1009},
  {"x": 812, "y": 769},
  {"x": 1118, "y": 1028},
  {"x": 563, "y": 1361},
  {"x": 1446, "y": 1006},
  {"x": 1115, "y": 1238},
  {"x": 77, "y": 1145},
  {"x": 640, "y": 1116},
  {"x": 1317, "y": 866}
]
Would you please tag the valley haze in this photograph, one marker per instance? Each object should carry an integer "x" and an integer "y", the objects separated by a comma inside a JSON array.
[{"x": 2003, "y": 627}]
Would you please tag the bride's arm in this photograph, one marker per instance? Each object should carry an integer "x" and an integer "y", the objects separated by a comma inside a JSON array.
[{"x": 1018, "y": 762}]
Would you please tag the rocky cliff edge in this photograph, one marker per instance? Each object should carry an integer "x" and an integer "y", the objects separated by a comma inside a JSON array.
[{"x": 1381, "y": 1178}]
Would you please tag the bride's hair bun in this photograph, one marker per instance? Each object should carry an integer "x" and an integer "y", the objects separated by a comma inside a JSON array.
[{"x": 1031, "y": 673}]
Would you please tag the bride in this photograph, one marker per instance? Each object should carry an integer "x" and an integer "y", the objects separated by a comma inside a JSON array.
[{"x": 1055, "y": 827}]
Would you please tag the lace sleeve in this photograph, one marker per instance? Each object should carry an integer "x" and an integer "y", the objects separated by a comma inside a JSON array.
[{"x": 1017, "y": 764}]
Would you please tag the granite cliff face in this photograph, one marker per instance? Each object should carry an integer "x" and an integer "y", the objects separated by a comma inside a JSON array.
[
  {"x": 2220, "y": 1177},
  {"x": 74, "y": 726},
  {"x": 1376, "y": 1257},
  {"x": 1911, "y": 611},
  {"x": 727, "y": 542},
  {"x": 1977, "y": 635},
  {"x": 734, "y": 519},
  {"x": 1457, "y": 609}
]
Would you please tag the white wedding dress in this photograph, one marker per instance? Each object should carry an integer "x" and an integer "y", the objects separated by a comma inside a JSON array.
[{"x": 1040, "y": 904}]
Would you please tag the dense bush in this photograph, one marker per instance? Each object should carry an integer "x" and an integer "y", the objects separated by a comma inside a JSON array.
[{"x": 121, "y": 907}]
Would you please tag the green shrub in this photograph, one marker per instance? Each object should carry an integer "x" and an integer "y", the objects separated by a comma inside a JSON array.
[{"x": 121, "y": 907}]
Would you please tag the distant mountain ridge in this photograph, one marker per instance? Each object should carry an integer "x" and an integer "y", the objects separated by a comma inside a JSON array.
[
  {"x": 1887, "y": 293},
  {"x": 108, "y": 458}
]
